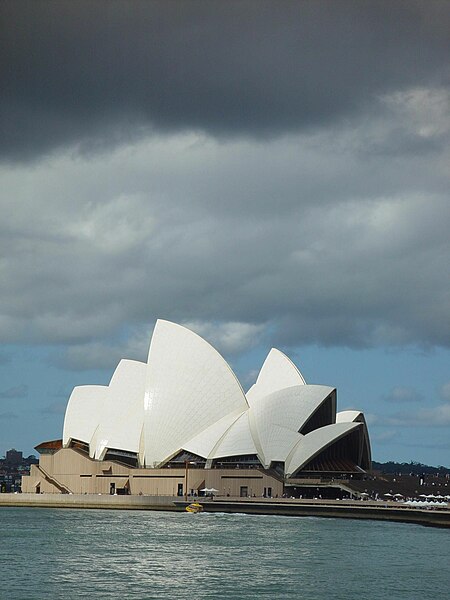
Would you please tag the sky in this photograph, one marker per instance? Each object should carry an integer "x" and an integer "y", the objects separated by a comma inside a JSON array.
[{"x": 270, "y": 174}]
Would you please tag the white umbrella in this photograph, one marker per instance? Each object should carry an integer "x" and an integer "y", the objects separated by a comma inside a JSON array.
[{"x": 412, "y": 502}]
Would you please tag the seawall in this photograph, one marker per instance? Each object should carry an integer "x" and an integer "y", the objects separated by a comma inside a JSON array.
[
  {"x": 89, "y": 501},
  {"x": 385, "y": 511}
]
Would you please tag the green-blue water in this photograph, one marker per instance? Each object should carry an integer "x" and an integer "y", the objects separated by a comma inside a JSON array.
[{"x": 52, "y": 554}]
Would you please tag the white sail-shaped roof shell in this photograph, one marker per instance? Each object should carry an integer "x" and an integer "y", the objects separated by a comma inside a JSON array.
[
  {"x": 316, "y": 441},
  {"x": 237, "y": 441},
  {"x": 121, "y": 424},
  {"x": 85, "y": 410},
  {"x": 277, "y": 444},
  {"x": 186, "y": 398},
  {"x": 279, "y": 416},
  {"x": 277, "y": 372},
  {"x": 189, "y": 387},
  {"x": 349, "y": 416},
  {"x": 203, "y": 443}
]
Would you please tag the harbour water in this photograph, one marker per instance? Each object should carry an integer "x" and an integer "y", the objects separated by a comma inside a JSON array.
[{"x": 68, "y": 554}]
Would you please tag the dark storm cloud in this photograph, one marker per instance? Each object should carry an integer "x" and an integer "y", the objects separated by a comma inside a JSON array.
[{"x": 91, "y": 73}]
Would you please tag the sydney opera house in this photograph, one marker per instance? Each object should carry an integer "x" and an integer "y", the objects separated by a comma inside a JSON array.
[{"x": 181, "y": 422}]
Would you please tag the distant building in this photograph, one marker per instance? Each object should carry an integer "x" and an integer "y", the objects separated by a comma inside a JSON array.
[
  {"x": 185, "y": 408},
  {"x": 13, "y": 457}
]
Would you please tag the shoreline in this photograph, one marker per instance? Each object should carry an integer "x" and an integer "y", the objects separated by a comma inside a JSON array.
[
  {"x": 348, "y": 509},
  {"x": 383, "y": 511}
]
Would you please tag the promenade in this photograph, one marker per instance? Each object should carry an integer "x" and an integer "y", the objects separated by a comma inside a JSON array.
[{"x": 348, "y": 509}]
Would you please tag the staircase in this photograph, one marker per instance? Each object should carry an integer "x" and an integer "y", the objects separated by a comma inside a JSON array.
[{"x": 62, "y": 488}]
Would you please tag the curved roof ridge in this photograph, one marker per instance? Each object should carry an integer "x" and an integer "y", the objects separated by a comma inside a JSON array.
[
  {"x": 237, "y": 440},
  {"x": 314, "y": 442},
  {"x": 223, "y": 436},
  {"x": 191, "y": 332},
  {"x": 290, "y": 361},
  {"x": 121, "y": 424},
  {"x": 123, "y": 364},
  {"x": 276, "y": 353},
  {"x": 84, "y": 400},
  {"x": 198, "y": 443},
  {"x": 348, "y": 416},
  {"x": 289, "y": 408},
  {"x": 277, "y": 372},
  {"x": 189, "y": 386}
]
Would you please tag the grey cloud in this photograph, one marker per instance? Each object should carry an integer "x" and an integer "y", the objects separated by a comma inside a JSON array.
[
  {"x": 374, "y": 419},
  {"x": 5, "y": 358},
  {"x": 385, "y": 436},
  {"x": 55, "y": 408},
  {"x": 105, "y": 354},
  {"x": 403, "y": 394},
  {"x": 98, "y": 73},
  {"x": 229, "y": 338},
  {"x": 7, "y": 416},
  {"x": 435, "y": 446},
  {"x": 18, "y": 391},
  {"x": 248, "y": 378},
  {"x": 194, "y": 230},
  {"x": 61, "y": 392},
  {"x": 445, "y": 391},
  {"x": 435, "y": 416}
]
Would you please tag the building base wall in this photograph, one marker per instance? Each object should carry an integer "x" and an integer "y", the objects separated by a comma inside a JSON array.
[{"x": 69, "y": 471}]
